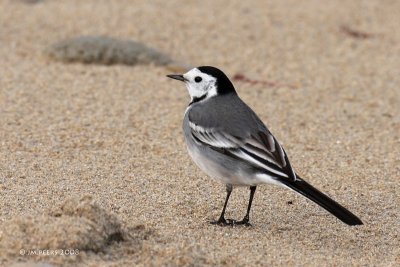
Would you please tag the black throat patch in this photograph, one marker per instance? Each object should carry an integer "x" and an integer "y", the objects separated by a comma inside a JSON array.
[{"x": 197, "y": 99}]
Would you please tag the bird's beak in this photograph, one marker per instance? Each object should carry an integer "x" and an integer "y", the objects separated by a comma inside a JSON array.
[{"x": 178, "y": 77}]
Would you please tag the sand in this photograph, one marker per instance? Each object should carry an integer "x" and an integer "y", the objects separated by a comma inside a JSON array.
[{"x": 324, "y": 76}]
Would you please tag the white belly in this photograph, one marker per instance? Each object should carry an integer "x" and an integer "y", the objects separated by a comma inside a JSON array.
[{"x": 227, "y": 176}]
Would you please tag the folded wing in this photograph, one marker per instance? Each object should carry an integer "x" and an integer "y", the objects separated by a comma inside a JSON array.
[{"x": 260, "y": 150}]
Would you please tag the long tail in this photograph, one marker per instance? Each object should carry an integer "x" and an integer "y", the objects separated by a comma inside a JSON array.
[{"x": 307, "y": 190}]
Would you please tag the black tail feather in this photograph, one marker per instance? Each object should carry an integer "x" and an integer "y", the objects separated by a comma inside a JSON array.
[{"x": 307, "y": 190}]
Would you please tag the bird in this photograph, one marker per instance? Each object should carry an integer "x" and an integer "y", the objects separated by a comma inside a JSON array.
[{"x": 230, "y": 143}]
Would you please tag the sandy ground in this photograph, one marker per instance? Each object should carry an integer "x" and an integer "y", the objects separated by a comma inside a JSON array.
[{"x": 113, "y": 133}]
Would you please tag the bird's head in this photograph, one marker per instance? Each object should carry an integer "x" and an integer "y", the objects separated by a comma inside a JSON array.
[{"x": 205, "y": 82}]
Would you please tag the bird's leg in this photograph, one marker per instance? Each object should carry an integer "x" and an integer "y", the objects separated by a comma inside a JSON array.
[
  {"x": 246, "y": 218},
  {"x": 221, "y": 220}
]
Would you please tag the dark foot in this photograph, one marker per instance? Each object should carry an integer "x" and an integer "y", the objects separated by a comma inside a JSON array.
[
  {"x": 244, "y": 222},
  {"x": 222, "y": 222},
  {"x": 230, "y": 222}
]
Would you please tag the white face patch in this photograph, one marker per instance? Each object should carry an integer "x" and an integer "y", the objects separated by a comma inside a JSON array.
[{"x": 200, "y": 84}]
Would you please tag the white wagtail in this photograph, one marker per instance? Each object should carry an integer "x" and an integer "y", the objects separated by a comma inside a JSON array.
[{"x": 228, "y": 141}]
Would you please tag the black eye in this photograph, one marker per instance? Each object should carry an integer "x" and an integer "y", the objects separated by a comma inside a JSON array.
[{"x": 197, "y": 79}]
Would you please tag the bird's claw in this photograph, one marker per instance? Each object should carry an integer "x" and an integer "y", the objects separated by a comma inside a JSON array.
[
  {"x": 243, "y": 222},
  {"x": 231, "y": 222}
]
